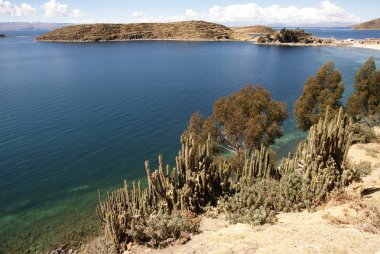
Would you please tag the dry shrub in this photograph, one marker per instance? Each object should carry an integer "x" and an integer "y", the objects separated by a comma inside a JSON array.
[
  {"x": 342, "y": 196},
  {"x": 363, "y": 216},
  {"x": 99, "y": 245},
  {"x": 161, "y": 230}
]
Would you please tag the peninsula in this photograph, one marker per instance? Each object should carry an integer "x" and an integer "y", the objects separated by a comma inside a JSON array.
[
  {"x": 369, "y": 25},
  {"x": 291, "y": 37},
  {"x": 185, "y": 30}
]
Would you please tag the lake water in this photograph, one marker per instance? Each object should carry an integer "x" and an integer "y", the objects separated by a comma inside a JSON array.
[
  {"x": 343, "y": 33},
  {"x": 77, "y": 117}
]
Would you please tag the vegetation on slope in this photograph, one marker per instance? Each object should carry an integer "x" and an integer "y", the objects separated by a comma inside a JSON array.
[
  {"x": 369, "y": 25},
  {"x": 248, "y": 186},
  {"x": 320, "y": 92},
  {"x": 254, "y": 29},
  {"x": 289, "y": 36},
  {"x": 241, "y": 121},
  {"x": 186, "y": 30},
  {"x": 365, "y": 100},
  {"x": 253, "y": 189}
]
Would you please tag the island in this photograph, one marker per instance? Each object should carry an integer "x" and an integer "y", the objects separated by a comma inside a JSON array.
[
  {"x": 185, "y": 31},
  {"x": 2, "y": 35},
  {"x": 369, "y": 25},
  {"x": 291, "y": 37}
]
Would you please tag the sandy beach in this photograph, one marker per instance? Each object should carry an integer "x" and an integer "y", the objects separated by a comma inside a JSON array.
[{"x": 366, "y": 46}]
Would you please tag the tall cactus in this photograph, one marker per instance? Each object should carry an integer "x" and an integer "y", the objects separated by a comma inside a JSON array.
[
  {"x": 320, "y": 158},
  {"x": 259, "y": 166},
  {"x": 195, "y": 182}
]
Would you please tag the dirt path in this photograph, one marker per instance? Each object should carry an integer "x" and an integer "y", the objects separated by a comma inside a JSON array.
[{"x": 294, "y": 232}]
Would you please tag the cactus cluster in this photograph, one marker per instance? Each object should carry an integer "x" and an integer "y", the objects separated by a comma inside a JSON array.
[
  {"x": 252, "y": 193},
  {"x": 303, "y": 180},
  {"x": 124, "y": 209},
  {"x": 320, "y": 158},
  {"x": 197, "y": 181},
  {"x": 259, "y": 165}
]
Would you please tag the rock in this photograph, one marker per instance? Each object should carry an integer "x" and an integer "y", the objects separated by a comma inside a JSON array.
[
  {"x": 122, "y": 247},
  {"x": 376, "y": 130},
  {"x": 129, "y": 246},
  {"x": 62, "y": 251}
]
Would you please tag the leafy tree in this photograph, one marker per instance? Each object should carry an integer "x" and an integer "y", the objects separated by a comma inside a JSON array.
[
  {"x": 200, "y": 128},
  {"x": 243, "y": 120},
  {"x": 365, "y": 100},
  {"x": 321, "y": 91}
]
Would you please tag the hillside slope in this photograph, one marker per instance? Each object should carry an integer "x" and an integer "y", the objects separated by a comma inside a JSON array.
[
  {"x": 369, "y": 25},
  {"x": 305, "y": 232},
  {"x": 341, "y": 226},
  {"x": 186, "y": 30},
  {"x": 253, "y": 30}
]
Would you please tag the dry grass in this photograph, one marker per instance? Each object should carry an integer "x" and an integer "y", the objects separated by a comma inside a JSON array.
[
  {"x": 98, "y": 245},
  {"x": 363, "y": 216},
  {"x": 254, "y": 29},
  {"x": 185, "y": 30}
]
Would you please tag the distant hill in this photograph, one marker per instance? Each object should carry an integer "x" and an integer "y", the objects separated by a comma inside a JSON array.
[
  {"x": 30, "y": 26},
  {"x": 369, "y": 25},
  {"x": 186, "y": 30},
  {"x": 253, "y": 29}
]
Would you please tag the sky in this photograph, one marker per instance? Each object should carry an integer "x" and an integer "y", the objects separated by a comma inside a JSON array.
[{"x": 220, "y": 11}]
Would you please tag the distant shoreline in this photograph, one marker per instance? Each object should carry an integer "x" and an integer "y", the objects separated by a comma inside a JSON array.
[
  {"x": 137, "y": 40},
  {"x": 365, "y": 46},
  {"x": 354, "y": 45}
]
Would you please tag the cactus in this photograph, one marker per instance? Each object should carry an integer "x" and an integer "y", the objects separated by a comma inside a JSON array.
[
  {"x": 259, "y": 166},
  {"x": 320, "y": 158},
  {"x": 196, "y": 182}
]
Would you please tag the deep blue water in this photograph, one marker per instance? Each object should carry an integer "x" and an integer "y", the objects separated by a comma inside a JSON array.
[
  {"x": 339, "y": 32},
  {"x": 343, "y": 33},
  {"x": 76, "y": 117}
]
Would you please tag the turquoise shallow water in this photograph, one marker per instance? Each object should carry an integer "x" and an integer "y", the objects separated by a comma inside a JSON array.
[{"x": 77, "y": 117}]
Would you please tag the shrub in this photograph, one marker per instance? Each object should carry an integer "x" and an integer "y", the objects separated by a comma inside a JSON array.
[
  {"x": 159, "y": 230},
  {"x": 364, "y": 216},
  {"x": 362, "y": 133}
]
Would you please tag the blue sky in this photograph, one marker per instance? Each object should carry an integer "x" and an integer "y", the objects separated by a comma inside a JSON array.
[{"x": 222, "y": 11}]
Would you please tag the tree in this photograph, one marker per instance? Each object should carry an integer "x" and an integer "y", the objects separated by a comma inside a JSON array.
[
  {"x": 321, "y": 91},
  {"x": 365, "y": 100},
  {"x": 243, "y": 120},
  {"x": 199, "y": 128}
]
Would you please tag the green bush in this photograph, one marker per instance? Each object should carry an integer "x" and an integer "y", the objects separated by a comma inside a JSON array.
[
  {"x": 258, "y": 202},
  {"x": 362, "y": 133}
]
